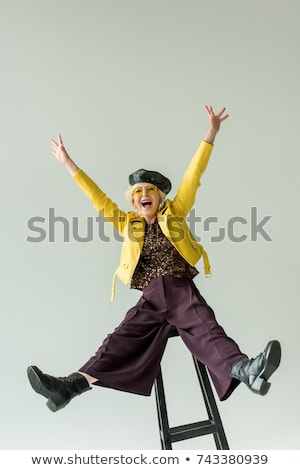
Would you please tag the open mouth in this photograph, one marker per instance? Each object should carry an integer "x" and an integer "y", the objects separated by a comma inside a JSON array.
[{"x": 146, "y": 204}]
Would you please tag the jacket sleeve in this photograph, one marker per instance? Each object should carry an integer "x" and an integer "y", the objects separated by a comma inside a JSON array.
[
  {"x": 101, "y": 203},
  {"x": 186, "y": 193}
]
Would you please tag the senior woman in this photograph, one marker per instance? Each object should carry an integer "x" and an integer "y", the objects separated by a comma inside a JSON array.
[{"x": 158, "y": 257}]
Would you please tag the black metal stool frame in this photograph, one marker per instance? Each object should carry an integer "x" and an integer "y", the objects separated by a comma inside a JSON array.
[{"x": 213, "y": 425}]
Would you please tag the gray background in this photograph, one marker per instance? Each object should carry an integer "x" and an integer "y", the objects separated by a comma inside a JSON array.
[{"x": 125, "y": 83}]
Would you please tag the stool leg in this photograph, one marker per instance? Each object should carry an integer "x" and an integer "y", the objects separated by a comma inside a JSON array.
[
  {"x": 187, "y": 431},
  {"x": 211, "y": 406},
  {"x": 163, "y": 421}
]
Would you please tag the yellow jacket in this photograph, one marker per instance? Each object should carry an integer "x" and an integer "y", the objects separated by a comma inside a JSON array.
[{"x": 171, "y": 218}]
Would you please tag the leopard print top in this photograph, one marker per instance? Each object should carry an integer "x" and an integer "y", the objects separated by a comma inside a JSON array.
[{"x": 159, "y": 257}]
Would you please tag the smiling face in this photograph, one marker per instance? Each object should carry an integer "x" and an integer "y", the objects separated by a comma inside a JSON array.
[{"x": 146, "y": 199}]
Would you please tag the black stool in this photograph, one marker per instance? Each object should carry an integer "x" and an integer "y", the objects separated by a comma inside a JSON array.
[{"x": 213, "y": 425}]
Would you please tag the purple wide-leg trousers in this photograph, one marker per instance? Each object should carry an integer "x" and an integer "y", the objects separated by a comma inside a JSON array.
[{"x": 129, "y": 358}]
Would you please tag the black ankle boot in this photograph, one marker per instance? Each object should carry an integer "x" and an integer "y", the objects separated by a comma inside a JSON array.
[
  {"x": 255, "y": 372},
  {"x": 58, "y": 390}
]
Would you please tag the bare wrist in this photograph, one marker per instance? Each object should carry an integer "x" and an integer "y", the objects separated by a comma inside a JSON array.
[
  {"x": 210, "y": 136},
  {"x": 71, "y": 166}
]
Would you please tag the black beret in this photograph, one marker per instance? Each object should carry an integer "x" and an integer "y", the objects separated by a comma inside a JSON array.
[{"x": 153, "y": 177}]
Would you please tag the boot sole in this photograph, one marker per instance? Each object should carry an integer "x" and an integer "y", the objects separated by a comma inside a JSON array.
[
  {"x": 55, "y": 401},
  {"x": 273, "y": 358},
  {"x": 35, "y": 377}
]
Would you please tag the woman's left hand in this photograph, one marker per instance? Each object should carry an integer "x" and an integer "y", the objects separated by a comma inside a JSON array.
[{"x": 215, "y": 121}]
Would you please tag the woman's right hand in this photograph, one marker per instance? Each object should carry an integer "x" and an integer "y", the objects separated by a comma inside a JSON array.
[{"x": 59, "y": 151}]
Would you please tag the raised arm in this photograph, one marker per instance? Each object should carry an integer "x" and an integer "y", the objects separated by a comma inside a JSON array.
[
  {"x": 102, "y": 204},
  {"x": 185, "y": 196},
  {"x": 59, "y": 151}
]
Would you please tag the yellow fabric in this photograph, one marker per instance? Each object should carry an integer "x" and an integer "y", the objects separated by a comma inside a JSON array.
[{"x": 171, "y": 218}]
